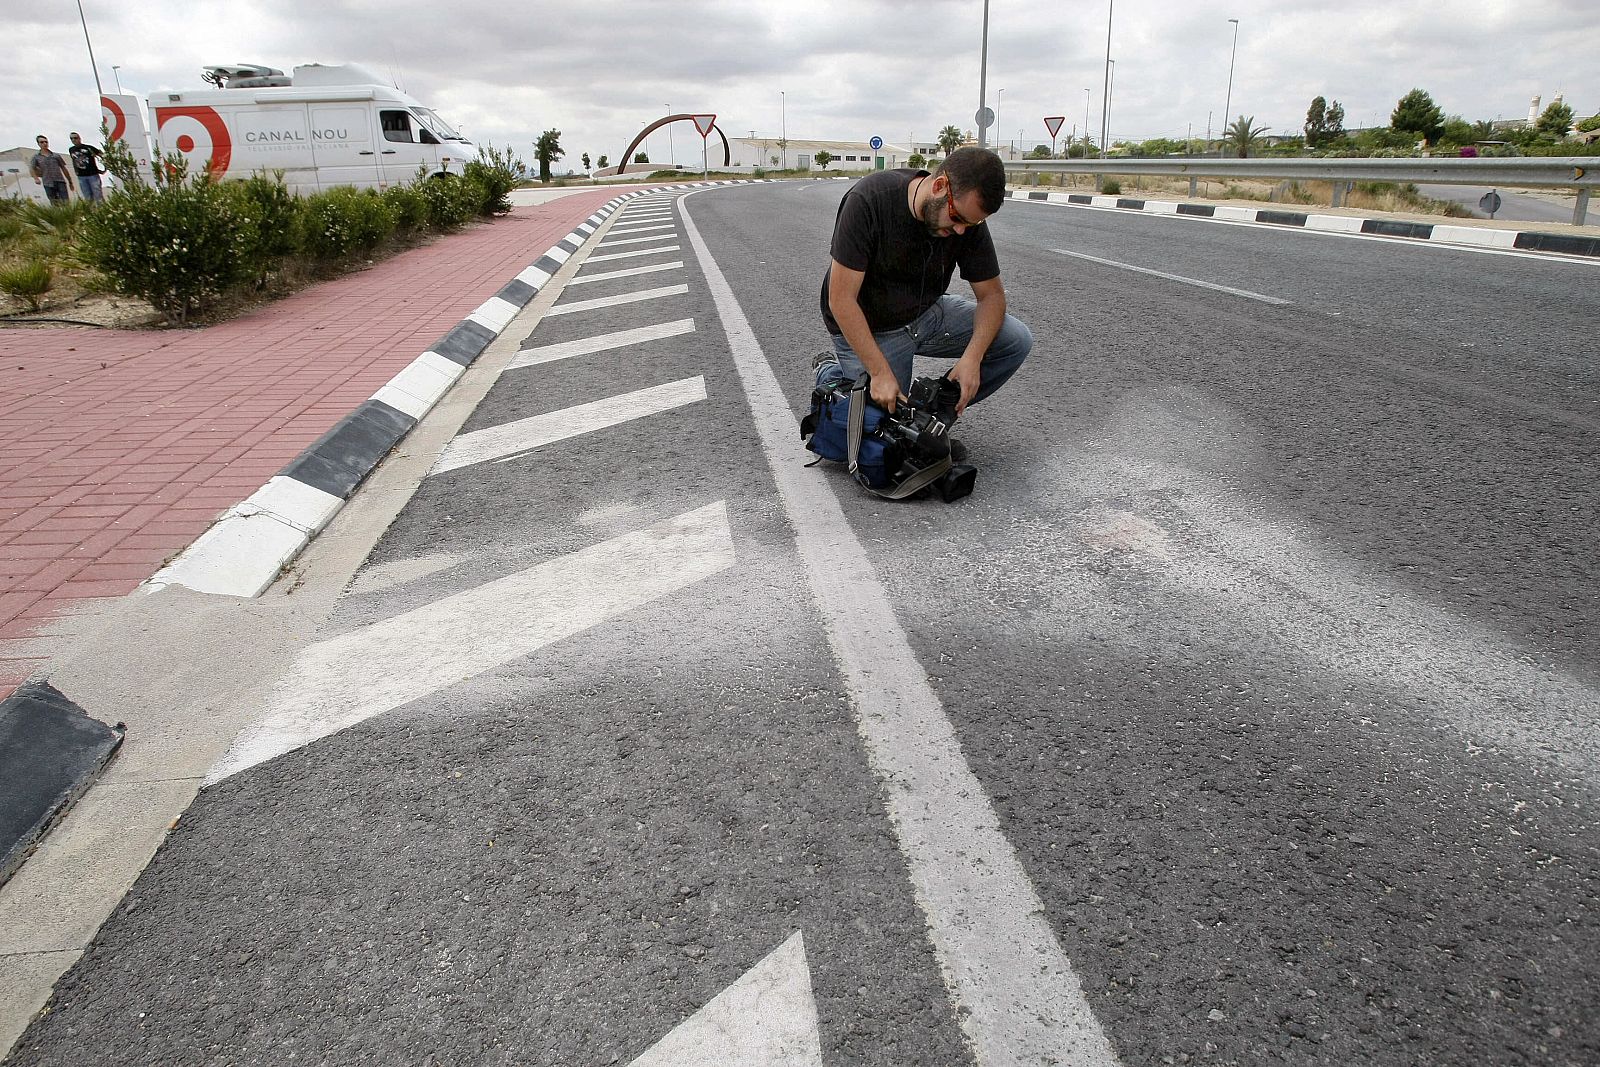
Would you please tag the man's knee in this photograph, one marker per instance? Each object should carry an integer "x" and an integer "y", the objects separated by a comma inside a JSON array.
[{"x": 1015, "y": 339}]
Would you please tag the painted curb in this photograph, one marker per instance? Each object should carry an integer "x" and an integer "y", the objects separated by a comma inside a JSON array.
[
  {"x": 1439, "y": 233},
  {"x": 51, "y": 751},
  {"x": 246, "y": 549}
]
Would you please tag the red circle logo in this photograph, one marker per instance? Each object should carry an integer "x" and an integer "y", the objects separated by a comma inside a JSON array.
[
  {"x": 198, "y": 132},
  {"x": 112, "y": 118}
]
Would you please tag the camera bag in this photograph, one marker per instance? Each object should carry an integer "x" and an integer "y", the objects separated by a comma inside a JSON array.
[{"x": 845, "y": 427}]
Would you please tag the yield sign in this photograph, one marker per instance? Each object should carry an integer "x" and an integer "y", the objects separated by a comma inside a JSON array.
[
  {"x": 703, "y": 123},
  {"x": 1053, "y": 124}
]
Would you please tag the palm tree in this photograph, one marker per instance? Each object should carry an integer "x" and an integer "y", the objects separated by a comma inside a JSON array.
[
  {"x": 1243, "y": 134},
  {"x": 950, "y": 139}
]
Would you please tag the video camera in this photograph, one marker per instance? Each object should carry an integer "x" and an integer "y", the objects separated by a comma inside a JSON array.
[{"x": 902, "y": 454}]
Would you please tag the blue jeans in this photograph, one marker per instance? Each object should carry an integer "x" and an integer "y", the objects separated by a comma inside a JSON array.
[
  {"x": 941, "y": 332},
  {"x": 89, "y": 186}
]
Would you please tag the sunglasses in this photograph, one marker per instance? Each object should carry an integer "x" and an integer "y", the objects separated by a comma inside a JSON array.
[{"x": 955, "y": 216}]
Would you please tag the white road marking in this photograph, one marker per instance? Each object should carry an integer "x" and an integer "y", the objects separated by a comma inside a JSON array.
[
  {"x": 348, "y": 679},
  {"x": 1022, "y": 1002},
  {"x": 583, "y": 346},
  {"x": 768, "y": 1018},
  {"x": 512, "y": 439},
  {"x": 619, "y": 228},
  {"x": 628, "y": 273},
  {"x": 630, "y": 255},
  {"x": 620, "y": 298},
  {"x": 639, "y": 240},
  {"x": 1247, "y": 294}
]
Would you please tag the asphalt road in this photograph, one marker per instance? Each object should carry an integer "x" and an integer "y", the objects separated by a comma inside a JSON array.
[{"x": 1269, "y": 637}]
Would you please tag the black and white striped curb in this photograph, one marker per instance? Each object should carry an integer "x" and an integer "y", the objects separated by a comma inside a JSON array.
[
  {"x": 245, "y": 550},
  {"x": 1443, "y": 233}
]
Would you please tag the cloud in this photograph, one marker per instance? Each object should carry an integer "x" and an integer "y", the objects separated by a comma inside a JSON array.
[{"x": 600, "y": 71}]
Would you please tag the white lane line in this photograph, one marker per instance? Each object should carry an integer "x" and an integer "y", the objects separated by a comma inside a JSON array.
[
  {"x": 583, "y": 346},
  {"x": 646, "y": 216},
  {"x": 673, "y": 236},
  {"x": 641, "y": 229},
  {"x": 348, "y": 679},
  {"x": 635, "y": 252},
  {"x": 620, "y": 298},
  {"x": 1021, "y": 1001},
  {"x": 1247, "y": 294},
  {"x": 512, "y": 439},
  {"x": 628, "y": 273}
]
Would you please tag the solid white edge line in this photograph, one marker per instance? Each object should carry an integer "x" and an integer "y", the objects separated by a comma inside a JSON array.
[{"x": 1022, "y": 1002}]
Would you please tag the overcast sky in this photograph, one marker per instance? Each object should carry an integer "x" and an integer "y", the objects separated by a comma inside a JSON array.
[{"x": 600, "y": 70}]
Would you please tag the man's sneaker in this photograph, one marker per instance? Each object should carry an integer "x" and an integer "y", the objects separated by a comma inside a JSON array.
[
  {"x": 958, "y": 451},
  {"x": 823, "y": 358}
]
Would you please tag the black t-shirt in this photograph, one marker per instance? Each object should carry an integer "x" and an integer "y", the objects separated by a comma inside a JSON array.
[
  {"x": 907, "y": 268},
  {"x": 84, "y": 162}
]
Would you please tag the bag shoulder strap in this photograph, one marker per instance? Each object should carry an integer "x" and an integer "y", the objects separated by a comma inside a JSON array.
[{"x": 857, "y": 420}]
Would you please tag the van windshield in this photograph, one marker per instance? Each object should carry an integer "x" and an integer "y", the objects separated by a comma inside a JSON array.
[{"x": 437, "y": 126}]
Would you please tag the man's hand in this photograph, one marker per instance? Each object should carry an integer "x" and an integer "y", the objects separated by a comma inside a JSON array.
[
  {"x": 884, "y": 390},
  {"x": 967, "y": 373}
]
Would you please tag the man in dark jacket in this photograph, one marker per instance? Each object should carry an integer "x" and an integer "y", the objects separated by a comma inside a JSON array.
[{"x": 86, "y": 164}]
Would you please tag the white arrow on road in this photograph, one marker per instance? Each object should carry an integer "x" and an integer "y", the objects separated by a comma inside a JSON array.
[
  {"x": 350, "y": 678},
  {"x": 768, "y": 1018}
]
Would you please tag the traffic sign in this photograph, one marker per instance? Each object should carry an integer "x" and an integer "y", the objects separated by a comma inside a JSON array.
[
  {"x": 876, "y": 143},
  {"x": 1490, "y": 202},
  {"x": 1053, "y": 124},
  {"x": 984, "y": 117},
  {"x": 703, "y": 123}
]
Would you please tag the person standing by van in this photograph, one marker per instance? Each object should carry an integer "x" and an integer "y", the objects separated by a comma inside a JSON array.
[
  {"x": 50, "y": 170},
  {"x": 86, "y": 164}
]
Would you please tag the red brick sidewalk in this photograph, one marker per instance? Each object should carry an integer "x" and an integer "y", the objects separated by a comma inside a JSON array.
[{"x": 118, "y": 448}]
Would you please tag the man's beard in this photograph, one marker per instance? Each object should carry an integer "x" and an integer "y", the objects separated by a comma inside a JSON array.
[{"x": 930, "y": 217}]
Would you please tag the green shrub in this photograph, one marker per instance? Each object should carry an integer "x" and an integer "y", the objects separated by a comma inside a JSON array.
[
  {"x": 276, "y": 212},
  {"x": 342, "y": 221},
  {"x": 178, "y": 244},
  {"x": 1111, "y": 187},
  {"x": 410, "y": 208},
  {"x": 27, "y": 282},
  {"x": 496, "y": 172},
  {"x": 451, "y": 201}
]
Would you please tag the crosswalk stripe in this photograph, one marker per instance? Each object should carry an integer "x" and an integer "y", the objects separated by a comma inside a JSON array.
[
  {"x": 639, "y": 240},
  {"x": 512, "y": 439},
  {"x": 633, "y": 253},
  {"x": 642, "y": 229},
  {"x": 348, "y": 679},
  {"x": 628, "y": 273},
  {"x": 620, "y": 298},
  {"x": 529, "y": 357}
]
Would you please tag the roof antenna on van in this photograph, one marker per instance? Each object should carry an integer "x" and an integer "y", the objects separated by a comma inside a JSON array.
[{"x": 394, "y": 61}]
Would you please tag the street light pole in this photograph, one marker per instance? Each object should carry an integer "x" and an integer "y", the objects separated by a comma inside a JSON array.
[
  {"x": 1105, "y": 99},
  {"x": 999, "y": 98},
  {"x": 672, "y": 153},
  {"x": 114, "y": 69},
  {"x": 783, "y": 132},
  {"x": 1086, "y": 120},
  {"x": 1111, "y": 85},
  {"x": 983, "y": 79},
  {"x": 97, "y": 90},
  {"x": 1229, "y": 104}
]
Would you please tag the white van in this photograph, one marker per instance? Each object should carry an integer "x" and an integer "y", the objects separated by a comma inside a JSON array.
[{"x": 323, "y": 126}]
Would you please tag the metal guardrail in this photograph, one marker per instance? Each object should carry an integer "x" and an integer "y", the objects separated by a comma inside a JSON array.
[{"x": 1580, "y": 173}]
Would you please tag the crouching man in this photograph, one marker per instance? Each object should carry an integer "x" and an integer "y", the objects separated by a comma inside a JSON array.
[{"x": 898, "y": 238}]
